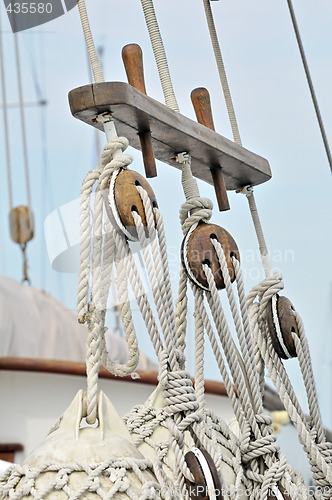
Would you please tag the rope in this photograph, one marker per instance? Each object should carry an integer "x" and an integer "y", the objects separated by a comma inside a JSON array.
[
  {"x": 24, "y": 141},
  {"x": 310, "y": 83},
  {"x": 104, "y": 480},
  {"x": 96, "y": 67},
  {"x": 159, "y": 54},
  {"x": 311, "y": 433},
  {"x": 5, "y": 121},
  {"x": 222, "y": 72},
  {"x": 248, "y": 191}
]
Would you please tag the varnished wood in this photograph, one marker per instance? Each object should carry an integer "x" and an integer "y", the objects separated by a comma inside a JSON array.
[
  {"x": 199, "y": 490},
  {"x": 127, "y": 199},
  {"x": 200, "y": 250},
  {"x": 133, "y": 62},
  {"x": 220, "y": 189},
  {"x": 11, "y": 363},
  {"x": 7, "y": 451},
  {"x": 288, "y": 325},
  {"x": 200, "y": 98},
  {"x": 172, "y": 133},
  {"x": 148, "y": 154}
]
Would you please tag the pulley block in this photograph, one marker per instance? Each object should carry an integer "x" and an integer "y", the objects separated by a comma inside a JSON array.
[
  {"x": 124, "y": 198},
  {"x": 197, "y": 249}
]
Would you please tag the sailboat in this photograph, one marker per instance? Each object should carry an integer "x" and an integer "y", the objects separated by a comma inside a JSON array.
[{"x": 77, "y": 109}]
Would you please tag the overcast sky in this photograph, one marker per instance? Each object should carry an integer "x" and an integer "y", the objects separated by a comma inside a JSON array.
[{"x": 276, "y": 120}]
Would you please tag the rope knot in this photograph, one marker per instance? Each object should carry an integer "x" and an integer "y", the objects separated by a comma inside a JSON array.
[
  {"x": 200, "y": 209},
  {"x": 179, "y": 393},
  {"x": 109, "y": 161}
]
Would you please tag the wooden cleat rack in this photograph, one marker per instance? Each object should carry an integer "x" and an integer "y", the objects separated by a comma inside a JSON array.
[{"x": 135, "y": 113}]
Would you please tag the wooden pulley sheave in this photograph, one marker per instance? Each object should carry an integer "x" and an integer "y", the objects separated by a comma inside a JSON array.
[
  {"x": 197, "y": 249},
  {"x": 207, "y": 485},
  {"x": 124, "y": 198},
  {"x": 282, "y": 326}
]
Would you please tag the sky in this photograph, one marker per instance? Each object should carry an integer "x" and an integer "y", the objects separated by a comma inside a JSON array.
[{"x": 276, "y": 120}]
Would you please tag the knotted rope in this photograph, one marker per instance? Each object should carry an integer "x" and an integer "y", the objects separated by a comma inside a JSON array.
[
  {"x": 263, "y": 465},
  {"x": 98, "y": 254},
  {"x": 311, "y": 432}
]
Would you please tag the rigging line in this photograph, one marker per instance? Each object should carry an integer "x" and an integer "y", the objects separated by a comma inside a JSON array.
[
  {"x": 247, "y": 190},
  {"x": 159, "y": 54},
  {"x": 222, "y": 72},
  {"x": 310, "y": 83},
  {"x": 21, "y": 105},
  {"x": 5, "y": 119},
  {"x": 97, "y": 70}
]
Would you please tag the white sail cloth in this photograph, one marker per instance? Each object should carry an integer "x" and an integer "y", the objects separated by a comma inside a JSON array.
[{"x": 35, "y": 325}]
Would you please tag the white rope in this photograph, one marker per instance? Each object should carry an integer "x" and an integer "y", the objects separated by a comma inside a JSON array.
[
  {"x": 96, "y": 67},
  {"x": 248, "y": 191},
  {"x": 22, "y": 120},
  {"x": 159, "y": 54},
  {"x": 222, "y": 72},
  {"x": 263, "y": 464},
  {"x": 5, "y": 121},
  {"x": 102, "y": 480},
  {"x": 311, "y": 433}
]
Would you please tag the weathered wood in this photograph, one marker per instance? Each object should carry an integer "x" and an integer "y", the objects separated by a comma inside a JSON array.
[
  {"x": 199, "y": 489},
  {"x": 21, "y": 224},
  {"x": 201, "y": 251},
  {"x": 127, "y": 199},
  {"x": 172, "y": 133},
  {"x": 200, "y": 98},
  {"x": 133, "y": 62},
  {"x": 288, "y": 326}
]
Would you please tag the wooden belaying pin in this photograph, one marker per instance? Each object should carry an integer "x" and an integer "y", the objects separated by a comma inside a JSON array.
[
  {"x": 200, "y": 98},
  {"x": 133, "y": 62}
]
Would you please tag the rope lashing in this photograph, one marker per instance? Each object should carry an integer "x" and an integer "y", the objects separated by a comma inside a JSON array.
[
  {"x": 311, "y": 432},
  {"x": 257, "y": 438}
]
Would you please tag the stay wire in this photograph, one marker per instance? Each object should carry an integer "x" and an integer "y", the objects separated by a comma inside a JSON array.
[
  {"x": 22, "y": 119},
  {"x": 5, "y": 120},
  {"x": 310, "y": 83}
]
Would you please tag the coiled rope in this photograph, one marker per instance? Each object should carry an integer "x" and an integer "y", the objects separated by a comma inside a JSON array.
[{"x": 320, "y": 457}]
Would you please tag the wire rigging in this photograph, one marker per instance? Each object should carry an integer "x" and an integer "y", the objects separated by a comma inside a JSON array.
[
  {"x": 21, "y": 105},
  {"x": 5, "y": 120},
  {"x": 310, "y": 83}
]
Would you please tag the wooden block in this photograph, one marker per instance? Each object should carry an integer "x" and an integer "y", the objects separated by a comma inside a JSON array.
[{"x": 171, "y": 132}]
